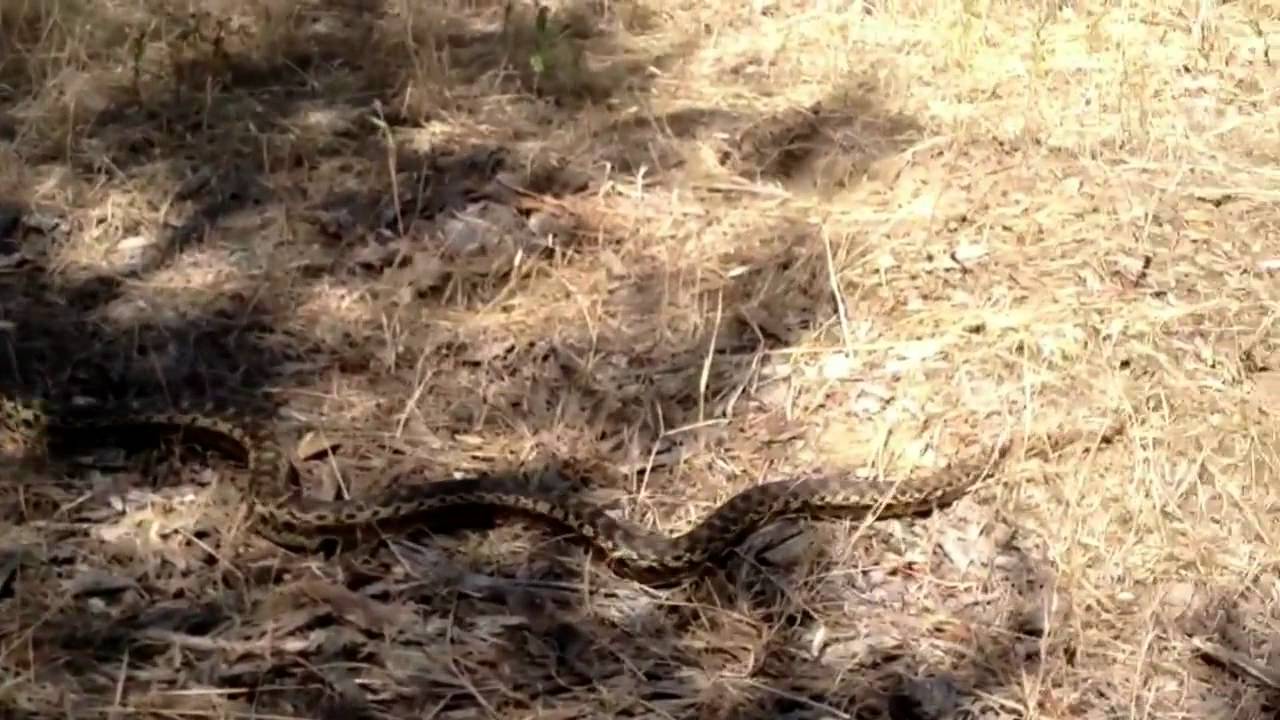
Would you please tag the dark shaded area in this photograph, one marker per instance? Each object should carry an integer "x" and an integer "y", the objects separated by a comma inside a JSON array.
[
  {"x": 208, "y": 116},
  {"x": 205, "y": 118},
  {"x": 552, "y": 649}
]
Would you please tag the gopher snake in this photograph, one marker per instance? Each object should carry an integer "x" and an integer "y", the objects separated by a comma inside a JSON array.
[{"x": 293, "y": 521}]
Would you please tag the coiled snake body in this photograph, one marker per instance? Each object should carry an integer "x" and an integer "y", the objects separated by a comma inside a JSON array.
[{"x": 297, "y": 522}]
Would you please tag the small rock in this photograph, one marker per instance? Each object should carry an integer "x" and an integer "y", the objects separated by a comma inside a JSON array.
[
  {"x": 135, "y": 252},
  {"x": 965, "y": 254}
]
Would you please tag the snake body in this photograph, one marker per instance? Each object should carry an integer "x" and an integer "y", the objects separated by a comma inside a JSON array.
[{"x": 297, "y": 522}]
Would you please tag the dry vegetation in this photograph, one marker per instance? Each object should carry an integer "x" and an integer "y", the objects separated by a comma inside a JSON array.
[{"x": 693, "y": 245}]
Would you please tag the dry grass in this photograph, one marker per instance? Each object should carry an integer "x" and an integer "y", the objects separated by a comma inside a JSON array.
[{"x": 787, "y": 237}]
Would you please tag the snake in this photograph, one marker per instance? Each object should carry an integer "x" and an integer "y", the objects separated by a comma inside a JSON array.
[{"x": 294, "y": 521}]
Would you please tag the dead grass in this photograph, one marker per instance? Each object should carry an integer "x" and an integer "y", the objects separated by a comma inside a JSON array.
[{"x": 752, "y": 239}]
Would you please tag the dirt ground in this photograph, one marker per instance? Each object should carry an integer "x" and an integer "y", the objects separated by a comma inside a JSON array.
[{"x": 688, "y": 247}]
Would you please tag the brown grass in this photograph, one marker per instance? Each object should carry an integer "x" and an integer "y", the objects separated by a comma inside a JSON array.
[{"x": 787, "y": 237}]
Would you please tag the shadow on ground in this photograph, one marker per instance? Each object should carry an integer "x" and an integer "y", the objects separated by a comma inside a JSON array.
[{"x": 444, "y": 639}]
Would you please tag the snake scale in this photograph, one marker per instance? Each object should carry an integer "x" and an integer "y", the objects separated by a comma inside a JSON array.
[{"x": 293, "y": 521}]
